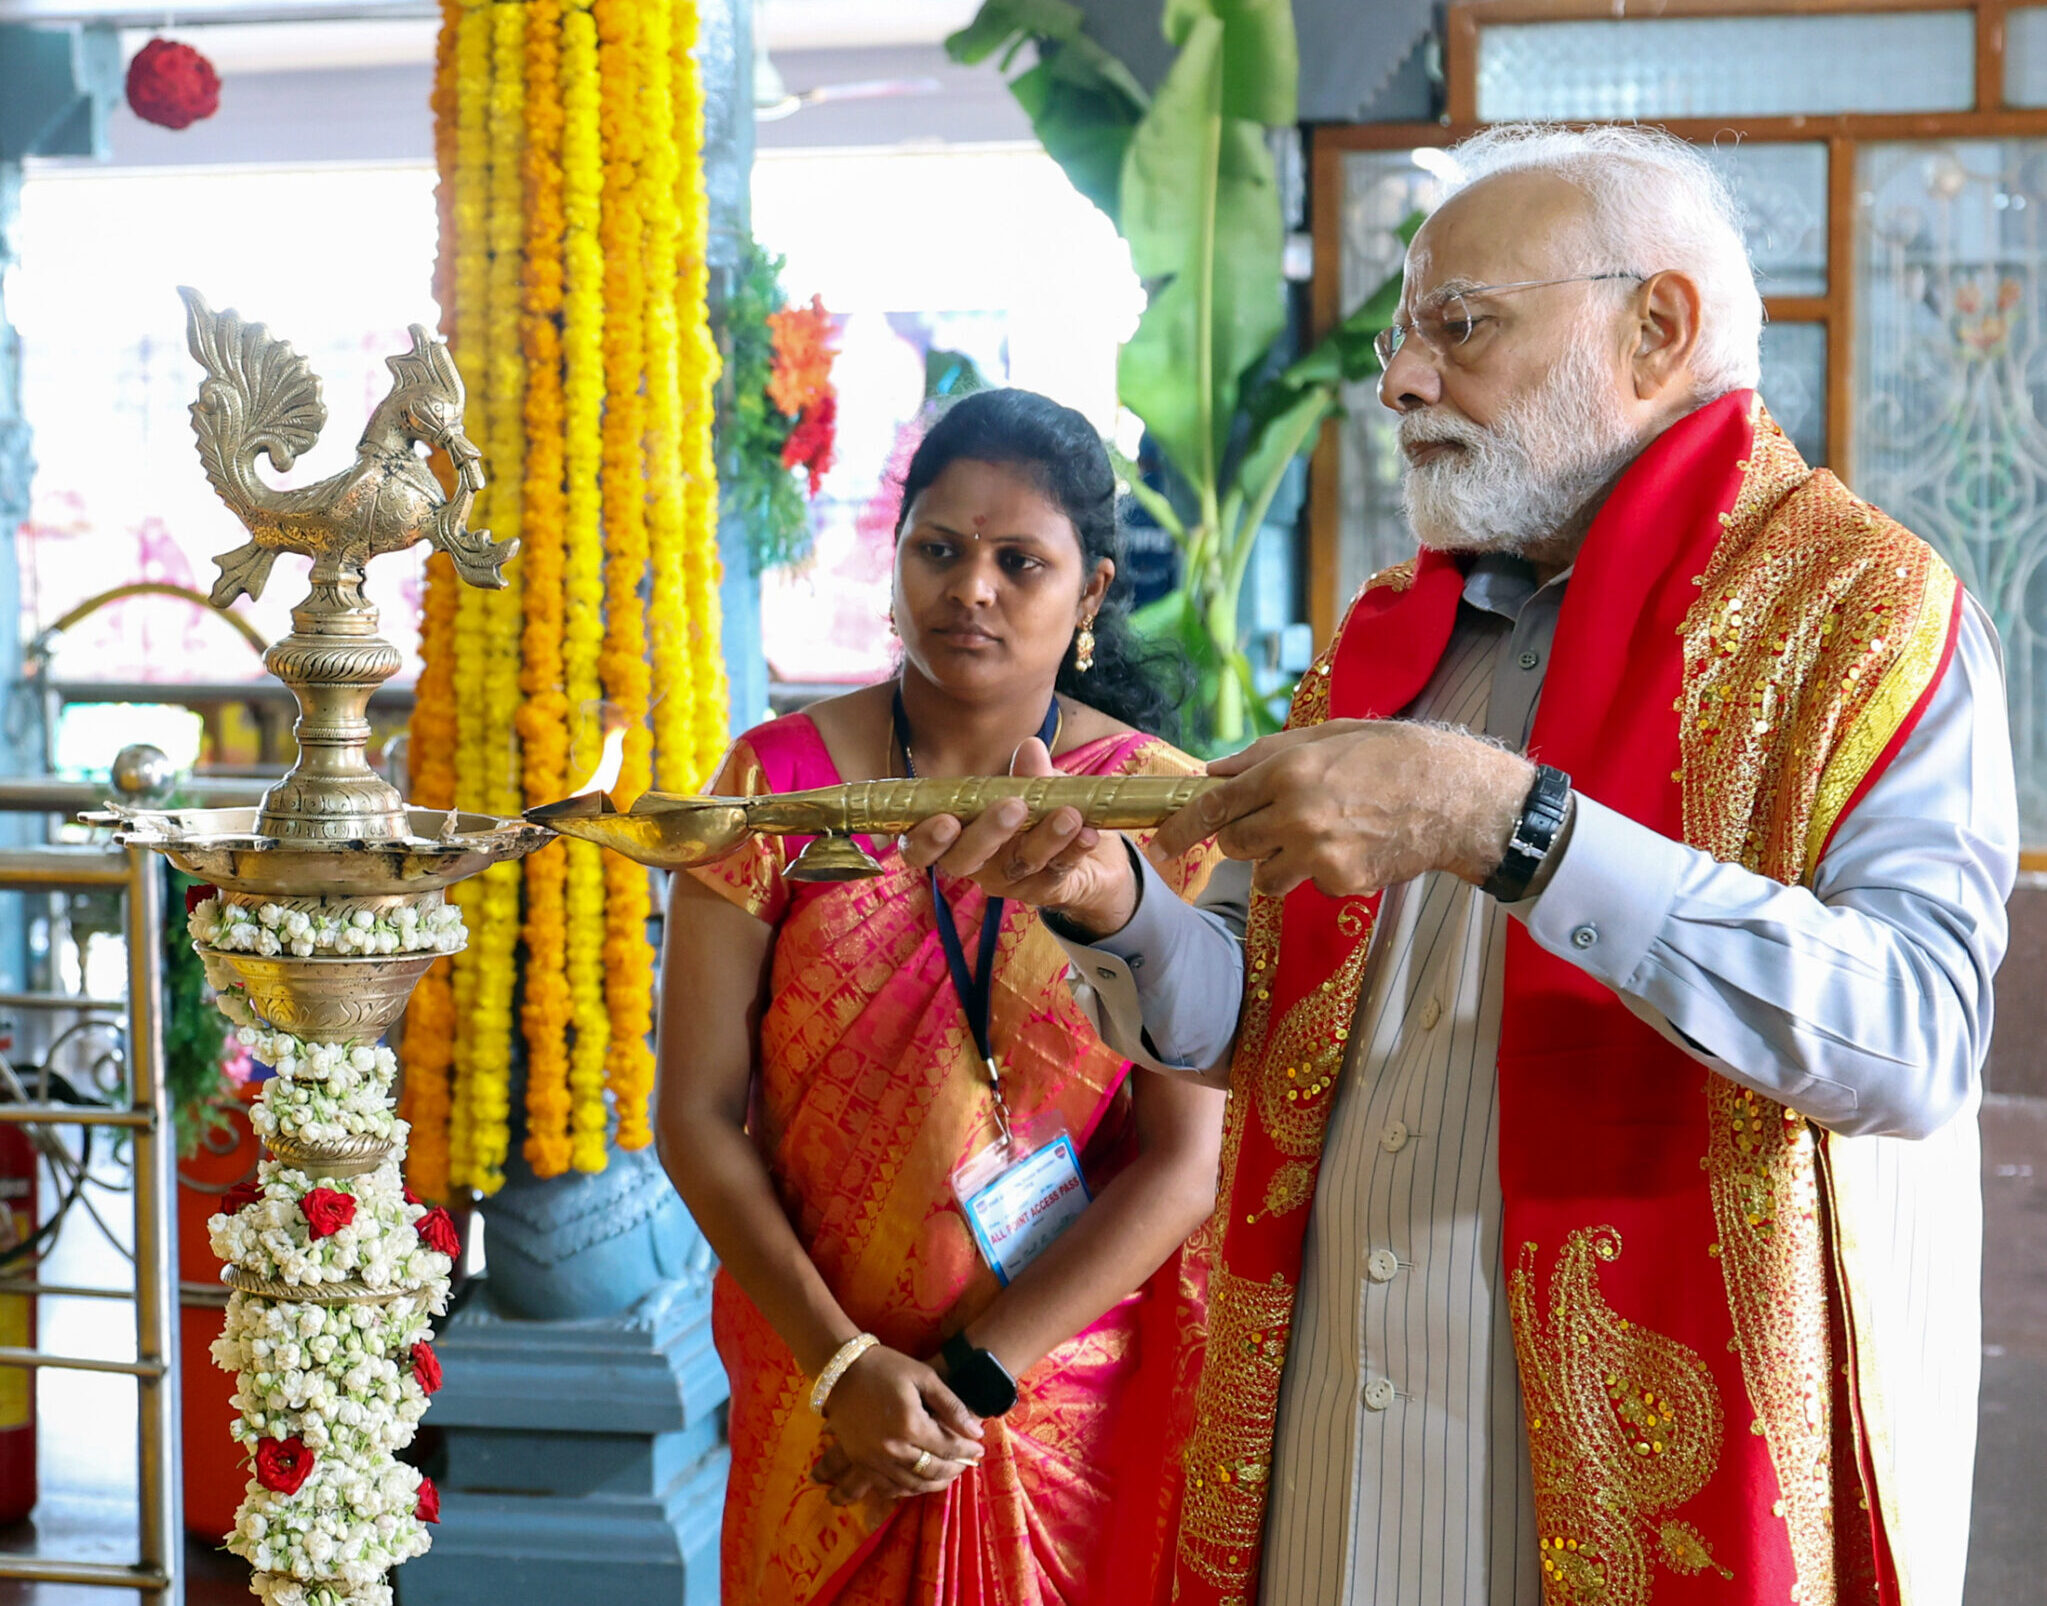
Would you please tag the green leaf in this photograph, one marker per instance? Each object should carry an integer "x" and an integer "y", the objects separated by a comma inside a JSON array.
[
  {"x": 1261, "y": 57},
  {"x": 1084, "y": 123},
  {"x": 1201, "y": 213},
  {"x": 999, "y": 21},
  {"x": 1082, "y": 102}
]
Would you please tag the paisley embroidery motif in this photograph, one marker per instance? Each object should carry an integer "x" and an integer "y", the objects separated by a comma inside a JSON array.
[{"x": 1624, "y": 1426}]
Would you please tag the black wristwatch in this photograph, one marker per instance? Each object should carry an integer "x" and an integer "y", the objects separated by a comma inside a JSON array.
[
  {"x": 1535, "y": 833},
  {"x": 980, "y": 1380}
]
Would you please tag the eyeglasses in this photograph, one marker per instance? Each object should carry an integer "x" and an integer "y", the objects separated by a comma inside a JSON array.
[{"x": 1444, "y": 322}]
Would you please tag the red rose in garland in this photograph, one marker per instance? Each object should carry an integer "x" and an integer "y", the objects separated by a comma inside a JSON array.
[
  {"x": 242, "y": 1193},
  {"x": 172, "y": 85},
  {"x": 438, "y": 1233},
  {"x": 283, "y": 1464},
  {"x": 326, "y": 1211},
  {"x": 426, "y": 1367},
  {"x": 429, "y": 1507},
  {"x": 197, "y": 894}
]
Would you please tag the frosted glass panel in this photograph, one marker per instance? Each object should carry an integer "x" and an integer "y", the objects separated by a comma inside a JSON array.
[
  {"x": 2025, "y": 58},
  {"x": 1951, "y": 389},
  {"x": 1783, "y": 195},
  {"x": 1726, "y": 66},
  {"x": 1380, "y": 189},
  {"x": 1794, "y": 384}
]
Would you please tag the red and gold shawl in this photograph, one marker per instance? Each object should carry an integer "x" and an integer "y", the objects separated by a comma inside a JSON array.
[
  {"x": 1742, "y": 648},
  {"x": 868, "y": 1095}
]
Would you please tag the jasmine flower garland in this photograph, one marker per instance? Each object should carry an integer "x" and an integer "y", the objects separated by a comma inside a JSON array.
[
  {"x": 338, "y": 927},
  {"x": 328, "y": 1394}
]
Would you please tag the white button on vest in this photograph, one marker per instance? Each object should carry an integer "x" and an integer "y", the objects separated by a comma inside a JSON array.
[
  {"x": 1382, "y": 1265},
  {"x": 1378, "y": 1394},
  {"x": 1394, "y": 1138},
  {"x": 1431, "y": 1013}
]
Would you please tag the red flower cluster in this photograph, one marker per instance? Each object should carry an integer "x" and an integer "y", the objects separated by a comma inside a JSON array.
[
  {"x": 810, "y": 443},
  {"x": 172, "y": 85},
  {"x": 429, "y": 1507},
  {"x": 426, "y": 1367},
  {"x": 438, "y": 1233},
  {"x": 242, "y": 1193},
  {"x": 327, "y": 1211},
  {"x": 800, "y": 386},
  {"x": 196, "y": 895},
  {"x": 283, "y": 1464}
]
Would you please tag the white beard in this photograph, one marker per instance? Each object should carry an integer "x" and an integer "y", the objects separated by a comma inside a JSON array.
[{"x": 1531, "y": 476}]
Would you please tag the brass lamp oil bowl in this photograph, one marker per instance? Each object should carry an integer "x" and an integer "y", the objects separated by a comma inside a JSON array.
[{"x": 671, "y": 831}]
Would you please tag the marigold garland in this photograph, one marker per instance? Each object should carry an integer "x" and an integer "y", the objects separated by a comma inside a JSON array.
[
  {"x": 583, "y": 633},
  {"x": 543, "y": 725},
  {"x": 573, "y": 282},
  {"x": 469, "y": 343}
]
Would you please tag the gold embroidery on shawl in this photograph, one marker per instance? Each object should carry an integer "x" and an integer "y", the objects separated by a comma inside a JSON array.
[
  {"x": 1819, "y": 624},
  {"x": 1623, "y": 1426},
  {"x": 1897, "y": 693},
  {"x": 1230, "y": 1455},
  {"x": 1296, "y": 1081}
]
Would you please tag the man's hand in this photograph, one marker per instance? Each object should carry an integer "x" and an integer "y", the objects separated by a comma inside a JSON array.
[
  {"x": 1080, "y": 873},
  {"x": 897, "y": 1430},
  {"x": 1356, "y": 805}
]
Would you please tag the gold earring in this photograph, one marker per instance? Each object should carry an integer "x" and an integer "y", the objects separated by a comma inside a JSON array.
[
  {"x": 892, "y": 623},
  {"x": 1084, "y": 646}
]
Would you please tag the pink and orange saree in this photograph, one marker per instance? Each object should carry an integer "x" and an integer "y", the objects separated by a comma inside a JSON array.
[{"x": 867, "y": 1098}]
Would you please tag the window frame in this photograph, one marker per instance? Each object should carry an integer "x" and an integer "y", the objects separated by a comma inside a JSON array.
[{"x": 1843, "y": 134}]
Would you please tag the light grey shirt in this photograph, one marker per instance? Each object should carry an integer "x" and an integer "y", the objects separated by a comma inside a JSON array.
[{"x": 1400, "y": 1468}]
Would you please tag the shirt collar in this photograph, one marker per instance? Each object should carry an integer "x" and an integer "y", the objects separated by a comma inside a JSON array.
[{"x": 1502, "y": 583}]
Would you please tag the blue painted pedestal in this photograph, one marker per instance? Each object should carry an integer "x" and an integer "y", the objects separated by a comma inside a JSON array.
[{"x": 585, "y": 1453}]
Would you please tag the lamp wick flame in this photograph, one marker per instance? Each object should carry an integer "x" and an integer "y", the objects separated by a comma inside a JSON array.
[{"x": 605, "y": 776}]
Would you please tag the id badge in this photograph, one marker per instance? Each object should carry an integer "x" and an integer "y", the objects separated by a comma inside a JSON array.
[{"x": 1016, "y": 1206}]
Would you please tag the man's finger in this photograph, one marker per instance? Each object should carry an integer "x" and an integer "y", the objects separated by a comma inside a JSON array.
[
  {"x": 926, "y": 842},
  {"x": 1043, "y": 846},
  {"x": 984, "y": 836},
  {"x": 1208, "y": 814}
]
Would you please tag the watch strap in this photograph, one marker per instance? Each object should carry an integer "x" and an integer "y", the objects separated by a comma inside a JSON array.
[{"x": 1535, "y": 834}]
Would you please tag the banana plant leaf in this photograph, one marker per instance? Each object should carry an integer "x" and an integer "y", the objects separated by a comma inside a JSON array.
[
  {"x": 1261, "y": 58},
  {"x": 1082, "y": 102},
  {"x": 1201, "y": 212}
]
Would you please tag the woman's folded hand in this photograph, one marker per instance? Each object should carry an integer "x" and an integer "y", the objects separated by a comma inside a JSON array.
[{"x": 896, "y": 1430}]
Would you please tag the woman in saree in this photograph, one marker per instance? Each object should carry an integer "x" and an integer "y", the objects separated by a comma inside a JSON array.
[{"x": 823, "y": 1081}]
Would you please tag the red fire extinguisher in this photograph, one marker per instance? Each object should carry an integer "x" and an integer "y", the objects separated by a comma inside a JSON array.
[{"x": 17, "y": 1318}]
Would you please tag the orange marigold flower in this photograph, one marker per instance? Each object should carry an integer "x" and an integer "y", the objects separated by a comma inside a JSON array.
[{"x": 803, "y": 356}]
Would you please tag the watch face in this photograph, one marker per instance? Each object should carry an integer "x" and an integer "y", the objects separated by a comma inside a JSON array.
[{"x": 984, "y": 1385}]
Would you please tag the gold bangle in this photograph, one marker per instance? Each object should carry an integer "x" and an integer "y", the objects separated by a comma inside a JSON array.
[{"x": 835, "y": 1368}]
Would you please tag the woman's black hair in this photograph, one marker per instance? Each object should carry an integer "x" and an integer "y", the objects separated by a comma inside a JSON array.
[{"x": 1142, "y": 683}]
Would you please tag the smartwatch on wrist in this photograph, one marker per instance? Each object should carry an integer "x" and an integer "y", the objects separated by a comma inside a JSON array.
[
  {"x": 1535, "y": 834},
  {"x": 982, "y": 1382}
]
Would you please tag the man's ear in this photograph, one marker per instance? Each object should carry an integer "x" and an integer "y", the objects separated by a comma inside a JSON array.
[{"x": 1665, "y": 334}]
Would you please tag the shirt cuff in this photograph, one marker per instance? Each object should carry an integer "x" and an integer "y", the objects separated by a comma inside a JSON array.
[{"x": 1611, "y": 892}]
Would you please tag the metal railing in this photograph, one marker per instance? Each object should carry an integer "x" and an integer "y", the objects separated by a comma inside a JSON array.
[{"x": 157, "y": 1574}]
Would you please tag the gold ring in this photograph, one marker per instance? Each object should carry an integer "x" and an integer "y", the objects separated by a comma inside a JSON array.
[{"x": 921, "y": 1467}]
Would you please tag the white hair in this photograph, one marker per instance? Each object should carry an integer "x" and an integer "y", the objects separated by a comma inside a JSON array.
[{"x": 1655, "y": 204}]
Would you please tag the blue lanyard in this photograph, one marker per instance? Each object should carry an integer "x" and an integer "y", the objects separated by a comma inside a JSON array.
[{"x": 976, "y": 988}]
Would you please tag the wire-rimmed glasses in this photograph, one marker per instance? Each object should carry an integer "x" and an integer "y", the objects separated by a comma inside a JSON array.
[{"x": 1444, "y": 321}]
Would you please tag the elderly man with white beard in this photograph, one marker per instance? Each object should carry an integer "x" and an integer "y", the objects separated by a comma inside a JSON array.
[{"x": 1598, "y": 1218}]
